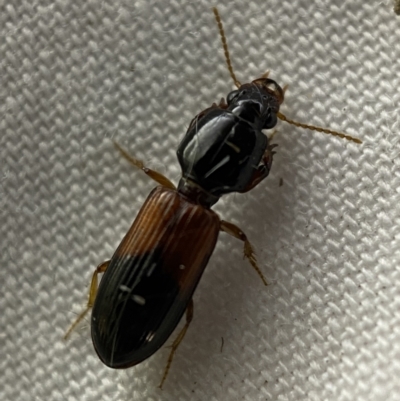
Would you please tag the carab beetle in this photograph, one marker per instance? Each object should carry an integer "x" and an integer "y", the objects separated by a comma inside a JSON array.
[{"x": 149, "y": 282}]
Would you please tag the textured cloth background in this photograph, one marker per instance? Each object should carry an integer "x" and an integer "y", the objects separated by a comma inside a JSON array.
[{"x": 74, "y": 76}]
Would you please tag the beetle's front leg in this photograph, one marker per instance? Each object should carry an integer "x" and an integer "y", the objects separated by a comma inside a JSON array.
[
  {"x": 155, "y": 175},
  {"x": 263, "y": 169}
]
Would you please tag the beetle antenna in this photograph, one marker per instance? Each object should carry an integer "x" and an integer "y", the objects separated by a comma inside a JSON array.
[
  {"x": 225, "y": 46},
  {"x": 319, "y": 129}
]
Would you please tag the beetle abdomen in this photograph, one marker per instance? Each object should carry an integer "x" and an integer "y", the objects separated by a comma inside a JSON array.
[{"x": 151, "y": 277}]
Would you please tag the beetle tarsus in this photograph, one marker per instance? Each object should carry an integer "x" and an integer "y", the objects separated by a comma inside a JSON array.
[
  {"x": 177, "y": 341},
  {"x": 248, "y": 249}
]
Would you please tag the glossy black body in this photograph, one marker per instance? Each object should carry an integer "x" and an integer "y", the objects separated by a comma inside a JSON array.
[
  {"x": 155, "y": 270},
  {"x": 225, "y": 144}
]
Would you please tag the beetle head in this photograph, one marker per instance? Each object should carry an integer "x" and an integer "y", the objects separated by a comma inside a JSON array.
[{"x": 257, "y": 102}]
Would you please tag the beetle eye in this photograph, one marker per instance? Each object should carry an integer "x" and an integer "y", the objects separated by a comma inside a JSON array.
[{"x": 231, "y": 96}]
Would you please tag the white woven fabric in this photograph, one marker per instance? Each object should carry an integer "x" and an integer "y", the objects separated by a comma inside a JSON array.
[{"x": 75, "y": 75}]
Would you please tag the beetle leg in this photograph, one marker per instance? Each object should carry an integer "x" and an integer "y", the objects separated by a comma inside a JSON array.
[
  {"x": 175, "y": 344},
  {"x": 101, "y": 268},
  {"x": 248, "y": 250},
  {"x": 156, "y": 176},
  {"x": 263, "y": 169}
]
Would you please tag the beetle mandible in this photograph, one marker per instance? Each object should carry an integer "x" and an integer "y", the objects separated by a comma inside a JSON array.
[{"x": 148, "y": 283}]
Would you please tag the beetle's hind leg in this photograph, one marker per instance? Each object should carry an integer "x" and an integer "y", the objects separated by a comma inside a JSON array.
[
  {"x": 248, "y": 250},
  {"x": 156, "y": 176},
  {"x": 175, "y": 344},
  {"x": 92, "y": 296}
]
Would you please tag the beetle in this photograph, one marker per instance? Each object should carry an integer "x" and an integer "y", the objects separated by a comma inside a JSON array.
[{"x": 149, "y": 282}]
